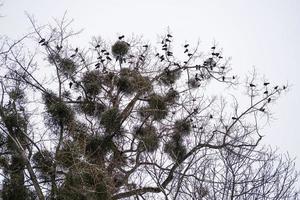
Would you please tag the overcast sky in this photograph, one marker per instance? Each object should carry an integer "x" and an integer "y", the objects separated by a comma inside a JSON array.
[{"x": 260, "y": 33}]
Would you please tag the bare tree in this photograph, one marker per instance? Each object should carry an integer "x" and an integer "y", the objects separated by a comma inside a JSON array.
[{"x": 126, "y": 121}]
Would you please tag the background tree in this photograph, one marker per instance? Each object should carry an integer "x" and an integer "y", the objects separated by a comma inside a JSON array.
[{"x": 127, "y": 121}]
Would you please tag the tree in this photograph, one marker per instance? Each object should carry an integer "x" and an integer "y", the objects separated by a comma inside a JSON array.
[{"x": 126, "y": 121}]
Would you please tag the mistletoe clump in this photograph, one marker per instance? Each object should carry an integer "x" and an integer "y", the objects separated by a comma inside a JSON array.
[
  {"x": 120, "y": 48},
  {"x": 148, "y": 137},
  {"x": 67, "y": 65},
  {"x": 92, "y": 82},
  {"x": 60, "y": 113},
  {"x": 91, "y": 108},
  {"x": 169, "y": 77},
  {"x": 111, "y": 120},
  {"x": 182, "y": 127},
  {"x": 175, "y": 148}
]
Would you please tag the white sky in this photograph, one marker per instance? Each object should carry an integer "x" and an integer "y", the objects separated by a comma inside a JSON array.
[{"x": 260, "y": 33}]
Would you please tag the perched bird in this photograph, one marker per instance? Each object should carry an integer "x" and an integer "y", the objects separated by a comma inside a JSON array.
[
  {"x": 70, "y": 84},
  {"x": 266, "y": 83},
  {"x": 284, "y": 87},
  {"x": 103, "y": 50},
  {"x": 146, "y": 46},
  {"x": 269, "y": 100},
  {"x": 210, "y": 116},
  {"x": 42, "y": 40},
  {"x": 168, "y": 35},
  {"x": 186, "y": 51},
  {"x": 252, "y": 85},
  {"x": 97, "y": 65},
  {"x": 223, "y": 78},
  {"x": 213, "y": 47},
  {"x": 108, "y": 58},
  {"x": 266, "y": 92},
  {"x": 76, "y": 50},
  {"x": 233, "y": 77},
  {"x": 97, "y": 46},
  {"x": 186, "y": 45},
  {"x": 276, "y": 87},
  {"x": 121, "y": 37},
  {"x": 167, "y": 40},
  {"x": 79, "y": 98},
  {"x": 157, "y": 54},
  {"x": 234, "y": 118},
  {"x": 190, "y": 54}
]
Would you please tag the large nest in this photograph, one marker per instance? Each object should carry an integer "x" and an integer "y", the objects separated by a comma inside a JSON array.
[
  {"x": 120, "y": 49},
  {"x": 148, "y": 137},
  {"x": 156, "y": 108},
  {"x": 92, "y": 82},
  {"x": 60, "y": 113},
  {"x": 169, "y": 77},
  {"x": 111, "y": 120},
  {"x": 132, "y": 81}
]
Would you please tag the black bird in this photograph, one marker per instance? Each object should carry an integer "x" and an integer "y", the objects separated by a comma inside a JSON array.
[
  {"x": 269, "y": 100},
  {"x": 234, "y": 118},
  {"x": 97, "y": 65},
  {"x": 213, "y": 47},
  {"x": 266, "y": 83},
  {"x": 42, "y": 41},
  {"x": 106, "y": 53},
  {"x": 157, "y": 54},
  {"x": 73, "y": 55},
  {"x": 78, "y": 98},
  {"x": 276, "y": 87},
  {"x": 223, "y": 78},
  {"x": 58, "y": 47},
  {"x": 103, "y": 50},
  {"x": 233, "y": 77},
  {"x": 76, "y": 50},
  {"x": 266, "y": 92},
  {"x": 210, "y": 116},
  {"x": 186, "y": 45},
  {"x": 186, "y": 51},
  {"x": 165, "y": 45},
  {"x": 220, "y": 57},
  {"x": 284, "y": 87},
  {"x": 169, "y": 53},
  {"x": 165, "y": 49},
  {"x": 168, "y": 35},
  {"x": 167, "y": 40},
  {"x": 121, "y": 37},
  {"x": 97, "y": 46},
  {"x": 252, "y": 85},
  {"x": 70, "y": 84},
  {"x": 262, "y": 109},
  {"x": 146, "y": 46},
  {"x": 108, "y": 58},
  {"x": 190, "y": 54}
]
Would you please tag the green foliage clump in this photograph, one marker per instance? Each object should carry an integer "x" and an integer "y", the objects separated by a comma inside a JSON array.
[
  {"x": 91, "y": 108},
  {"x": 43, "y": 161},
  {"x": 13, "y": 121},
  {"x": 60, "y": 113},
  {"x": 175, "y": 148},
  {"x": 111, "y": 120},
  {"x": 132, "y": 81},
  {"x": 120, "y": 48},
  {"x": 193, "y": 83},
  {"x": 98, "y": 146},
  {"x": 157, "y": 108},
  {"x": 68, "y": 154},
  {"x": 172, "y": 96},
  {"x": 67, "y": 65},
  {"x": 16, "y": 94},
  {"x": 148, "y": 138},
  {"x": 92, "y": 82},
  {"x": 169, "y": 77},
  {"x": 182, "y": 127}
]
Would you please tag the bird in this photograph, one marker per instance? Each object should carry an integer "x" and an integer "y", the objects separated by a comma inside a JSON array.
[
  {"x": 269, "y": 100},
  {"x": 121, "y": 37},
  {"x": 213, "y": 47},
  {"x": 103, "y": 50},
  {"x": 73, "y": 55},
  {"x": 146, "y": 46},
  {"x": 284, "y": 87},
  {"x": 70, "y": 84},
  {"x": 79, "y": 98},
  {"x": 266, "y": 92},
  {"x": 165, "y": 49},
  {"x": 108, "y": 58},
  {"x": 233, "y": 77},
  {"x": 168, "y": 35},
  {"x": 97, "y": 46},
  {"x": 276, "y": 87},
  {"x": 210, "y": 116},
  {"x": 186, "y": 51},
  {"x": 223, "y": 78},
  {"x": 186, "y": 45},
  {"x": 252, "y": 85},
  {"x": 266, "y": 83},
  {"x": 97, "y": 65},
  {"x": 157, "y": 54},
  {"x": 76, "y": 50},
  {"x": 42, "y": 40},
  {"x": 190, "y": 54},
  {"x": 234, "y": 118},
  {"x": 167, "y": 40}
]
